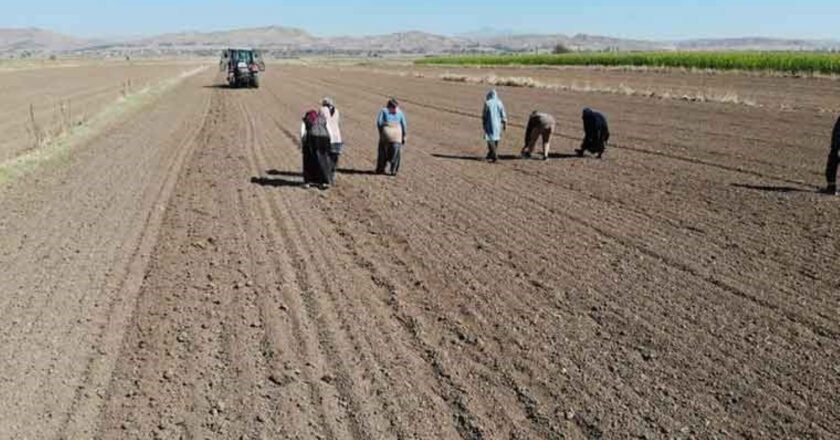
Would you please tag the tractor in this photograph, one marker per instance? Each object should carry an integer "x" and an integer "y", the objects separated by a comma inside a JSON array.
[{"x": 243, "y": 67}]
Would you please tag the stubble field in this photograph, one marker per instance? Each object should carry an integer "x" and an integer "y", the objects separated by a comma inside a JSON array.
[{"x": 169, "y": 278}]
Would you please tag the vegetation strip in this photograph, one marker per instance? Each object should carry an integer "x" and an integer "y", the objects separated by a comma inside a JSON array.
[{"x": 790, "y": 62}]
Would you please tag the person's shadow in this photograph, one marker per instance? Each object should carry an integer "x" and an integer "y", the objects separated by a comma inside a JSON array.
[
  {"x": 353, "y": 172},
  {"x": 563, "y": 156},
  {"x": 284, "y": 173},
  {"x": 773, "y": 189},
  {"x": 278, "y": 182},
  {"x": 348, "y": 171},
  {"x": 534, "y": 156},
  {"x": 275, "y": 182},
  {"x": 475, "y": 158}
]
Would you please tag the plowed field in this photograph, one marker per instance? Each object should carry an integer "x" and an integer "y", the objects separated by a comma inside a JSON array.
[{"x": 170, "y": 278}]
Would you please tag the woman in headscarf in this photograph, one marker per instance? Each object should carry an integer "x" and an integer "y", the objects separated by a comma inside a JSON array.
[
  {"x": 315, "y": 146},
  {"x": 392, "y": 127},
  {"x": 494, "y": 119},
  {"x": 596, "y": 133},
  {"x": 333, "y": 118},
  {"x": 833, "y": 161}
]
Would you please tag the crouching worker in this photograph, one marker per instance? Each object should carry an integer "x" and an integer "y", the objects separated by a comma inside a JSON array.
[
  {"x": 315, "y": 146},
  {"x": 833, "y": 161},
  {"x": 540, "y": 125},
  {"x": 596, "y": 133},
  {"x": 392, "y": 136}
]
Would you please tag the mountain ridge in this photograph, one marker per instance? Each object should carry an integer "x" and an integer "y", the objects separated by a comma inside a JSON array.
[{"x": 291, "y": 41}]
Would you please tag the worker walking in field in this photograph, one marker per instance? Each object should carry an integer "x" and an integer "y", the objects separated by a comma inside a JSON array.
[
  {"x": 393, "y": 130},
  {"x": 596, "y": 133},
  {"x": 315, "y": 146},
  {"x": 833, "y": 161},
  {"x": 494, "y": 118},
  {"x": 333, "y": 120},
  {"x": 540, "y": 125}
]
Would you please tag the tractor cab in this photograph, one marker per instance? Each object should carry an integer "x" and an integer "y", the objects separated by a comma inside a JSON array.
[{"x": 243, "y": 67}]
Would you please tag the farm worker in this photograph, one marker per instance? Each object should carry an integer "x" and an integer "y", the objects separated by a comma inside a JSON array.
[
  {"x": 393, "y": 130},
  {"x": 539, "y": 125},
  {"x": 494, "y": 119},
  {"x": 596, "y": 133},
  {"x": 333, "y": 118},
  {"x": 833, "y": 161},
  {"x": 315, "y": 146}
]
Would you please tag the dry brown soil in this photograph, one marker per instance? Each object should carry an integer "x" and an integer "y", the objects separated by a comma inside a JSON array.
[
  {"x": 63, "y": 96},
  {"x": 776, "y": 91},
  {"x": 171, "y": 279}
]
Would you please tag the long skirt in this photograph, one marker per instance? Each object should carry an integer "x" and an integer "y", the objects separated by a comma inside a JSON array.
[
  {"x": 593, "y": 145},
  {"x": 317, "y": 163}
]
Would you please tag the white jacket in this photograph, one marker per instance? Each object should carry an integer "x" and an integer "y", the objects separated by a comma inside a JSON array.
[{"x": 333, "y": 124}]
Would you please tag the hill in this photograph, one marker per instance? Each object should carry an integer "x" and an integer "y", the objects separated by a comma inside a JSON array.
[
  {"x": 34, "y": 41},
  {"x": 757, "y": 43},
  {"x": 281, "y": 41}
]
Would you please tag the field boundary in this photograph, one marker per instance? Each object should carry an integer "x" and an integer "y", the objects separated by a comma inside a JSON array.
[
  {"x": 60, "y": 146},
  {"x": 728, "y": 97}
]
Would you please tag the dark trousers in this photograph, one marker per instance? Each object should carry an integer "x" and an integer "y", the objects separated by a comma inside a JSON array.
[
  {"x": 831, "y": 166},
  {"x": 335, "y": 154},
  {"x": 493, "y": 150},
  {"x": 333, "y": 166},
  {"x": 388, "y": 153}
]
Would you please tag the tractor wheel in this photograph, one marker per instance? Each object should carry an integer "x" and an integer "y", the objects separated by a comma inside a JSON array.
[{"x": 255, "y": 81}]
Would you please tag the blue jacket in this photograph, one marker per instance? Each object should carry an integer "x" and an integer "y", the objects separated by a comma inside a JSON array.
[
  {"x": 386, "y": 116},
  {"x": 494, "y": 117}
]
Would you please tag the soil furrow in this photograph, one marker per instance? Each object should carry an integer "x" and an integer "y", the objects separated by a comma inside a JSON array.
[{"x": 171, "y": 278}]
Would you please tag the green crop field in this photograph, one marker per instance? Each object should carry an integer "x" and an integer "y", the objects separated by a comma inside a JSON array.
[{"x": 791, "y": 62}]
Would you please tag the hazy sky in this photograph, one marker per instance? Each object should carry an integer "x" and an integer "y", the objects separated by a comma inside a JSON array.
[{"x": 653, "y": 19}]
